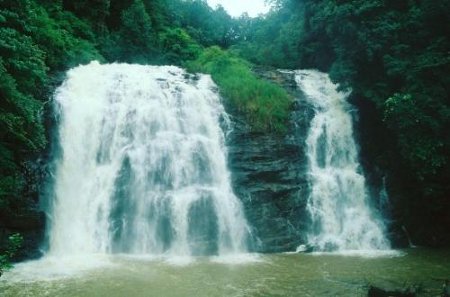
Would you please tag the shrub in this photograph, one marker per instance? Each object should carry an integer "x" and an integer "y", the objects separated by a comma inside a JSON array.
[{"x": 264, "y": 104}]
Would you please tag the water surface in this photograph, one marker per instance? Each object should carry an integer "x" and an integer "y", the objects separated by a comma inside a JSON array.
[{"x": 261, "y": 275}]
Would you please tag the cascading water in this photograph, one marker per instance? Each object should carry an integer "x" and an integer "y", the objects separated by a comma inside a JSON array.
[
  {"x": 341, "y": 216},
  {"x": 143, "y": 165}
]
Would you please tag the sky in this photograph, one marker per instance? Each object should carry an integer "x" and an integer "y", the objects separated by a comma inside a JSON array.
[{"x": 237, "y": 7}]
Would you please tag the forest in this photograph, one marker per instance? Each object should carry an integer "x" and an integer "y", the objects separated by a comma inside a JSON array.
[{"x": 393, "y": 55}]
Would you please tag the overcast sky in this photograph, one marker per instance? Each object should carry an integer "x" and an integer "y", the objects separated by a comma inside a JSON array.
[{"x": 237, "y": 7}]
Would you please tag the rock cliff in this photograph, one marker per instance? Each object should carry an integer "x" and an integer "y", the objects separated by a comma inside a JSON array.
[{"x": 268, "y": 172}]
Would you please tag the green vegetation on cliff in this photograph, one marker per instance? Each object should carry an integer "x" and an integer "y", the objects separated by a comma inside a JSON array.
[
  {"x": 41, "y": 39},
  {"x": 14, "y": 244},
  {"x": 394, "y": 55},
  {"x": 385, "y": 51},
  {"x": 33, "y": 44},
  {"x": 265, "y": 105}
]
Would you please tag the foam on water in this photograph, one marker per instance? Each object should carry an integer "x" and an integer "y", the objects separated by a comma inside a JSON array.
[
  {"x": 362, "y": 253},
  {"x": 238, "y": 259},
  {"x": 52, "y": 268}
]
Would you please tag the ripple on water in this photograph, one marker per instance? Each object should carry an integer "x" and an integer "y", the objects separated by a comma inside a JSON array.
[{"x": 243, "y": 275}]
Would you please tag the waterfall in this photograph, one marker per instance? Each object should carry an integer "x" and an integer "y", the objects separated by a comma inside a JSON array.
[
  {"x": 142, "y": 167},
  {"x": 338, "y": 203}
]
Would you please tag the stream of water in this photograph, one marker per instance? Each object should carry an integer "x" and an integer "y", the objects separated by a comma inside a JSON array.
[{"x": 339, "y": 204}]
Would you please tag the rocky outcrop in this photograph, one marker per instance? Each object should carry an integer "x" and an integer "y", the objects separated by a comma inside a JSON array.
[{"x": 268, "y": 176}]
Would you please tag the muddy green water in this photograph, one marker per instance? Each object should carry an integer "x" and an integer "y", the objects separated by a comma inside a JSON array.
[{"x": 262, "y": 275}]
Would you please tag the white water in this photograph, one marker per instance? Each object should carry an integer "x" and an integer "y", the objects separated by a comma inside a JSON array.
[
  {"x": 342, "y": 218},
  {"x": 143, "y": 165}
]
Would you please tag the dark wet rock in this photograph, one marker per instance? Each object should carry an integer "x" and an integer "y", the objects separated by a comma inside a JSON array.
[
  {"x": 411, "y": 206},
  {"x": 268, "y": 174}
]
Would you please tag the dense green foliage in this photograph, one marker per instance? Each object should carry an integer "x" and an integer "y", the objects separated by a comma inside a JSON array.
[
  {"x": 394, "y": 54},
  {"x": 32, "y": 45},
  {"x": 265, "y": 105},
  {"x": 14, "y": 244},
  {"x": 40, "y": 39}
]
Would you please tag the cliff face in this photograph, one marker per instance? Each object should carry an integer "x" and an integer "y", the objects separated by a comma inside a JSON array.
[
  {"x": 268, "y": 174},
  {"x": 269, "y": 177}
]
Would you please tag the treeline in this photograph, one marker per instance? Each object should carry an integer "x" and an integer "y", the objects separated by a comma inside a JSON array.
[
  {"x": 395, "y": 56},
  {"x": 41, "y": 39}
]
